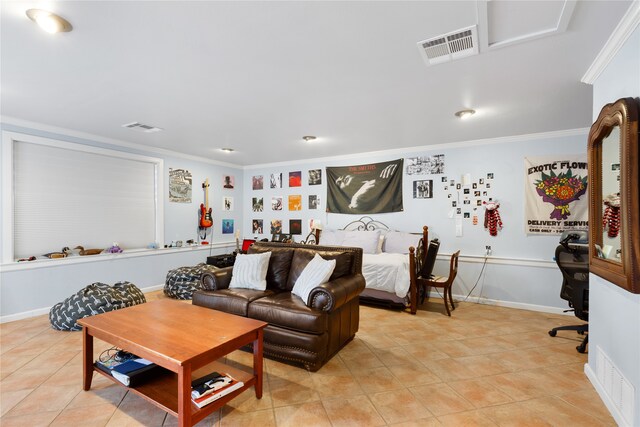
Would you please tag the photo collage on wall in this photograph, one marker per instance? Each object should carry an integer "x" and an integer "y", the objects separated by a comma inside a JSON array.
[
  {"x": 424, "y": 165},
  {"x": 228, "y": 182},
  {"x": 281, "y": 202},
  {"x": 467, "y": 197}
]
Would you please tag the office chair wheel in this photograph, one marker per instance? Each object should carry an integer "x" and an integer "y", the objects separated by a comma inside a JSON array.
[
  {"x": 553, "y": 333},
  {"x": 581, "y": 348},
  {"x": 580, "y": 332}
]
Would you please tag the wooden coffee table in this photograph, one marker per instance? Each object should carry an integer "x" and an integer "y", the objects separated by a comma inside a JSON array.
[{"x": 184, "y": 339}]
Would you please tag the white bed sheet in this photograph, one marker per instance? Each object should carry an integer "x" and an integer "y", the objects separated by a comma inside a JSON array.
[{"x": 387, "y": 272}]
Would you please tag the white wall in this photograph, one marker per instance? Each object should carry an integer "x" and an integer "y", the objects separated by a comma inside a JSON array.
[
  {"x": 30, "y": 288},
  {"x": 614, "y": 314},
  {"x": 521, "y": 272}
]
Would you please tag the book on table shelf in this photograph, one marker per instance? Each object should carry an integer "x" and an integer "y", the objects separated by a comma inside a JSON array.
[
  {"x": 215, "y": 387},
  {"x": 129, "y": 372}
]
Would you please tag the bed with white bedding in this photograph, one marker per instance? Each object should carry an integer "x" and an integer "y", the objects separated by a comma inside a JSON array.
[{"x": 385, "y": 262}]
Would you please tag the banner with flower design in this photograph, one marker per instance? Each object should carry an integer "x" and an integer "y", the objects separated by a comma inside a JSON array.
[{"x": 556, "y": 194}]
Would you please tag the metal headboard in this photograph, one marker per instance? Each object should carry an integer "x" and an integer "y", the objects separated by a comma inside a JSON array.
[{"x": 366, "y": 223}]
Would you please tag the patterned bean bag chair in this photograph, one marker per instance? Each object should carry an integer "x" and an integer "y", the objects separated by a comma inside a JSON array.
[
  {"x": 182, "y": 282},
  {"x": 94, "y": 299}
]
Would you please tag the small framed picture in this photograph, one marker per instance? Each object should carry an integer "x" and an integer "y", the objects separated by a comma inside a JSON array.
[
  {"x": 466, "y": 191},
  {"x": 474, "y": 186},
  {"x": 458, "y": 186}
]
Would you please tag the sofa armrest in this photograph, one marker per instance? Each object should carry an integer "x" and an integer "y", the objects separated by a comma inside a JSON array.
[
  {"x": 217, "y": 279},
  {"x": 331, "y": 295}
]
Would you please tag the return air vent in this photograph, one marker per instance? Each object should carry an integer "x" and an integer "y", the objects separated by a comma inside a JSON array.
[
  {"x": 141, "y": 127},
  {"x": 450, "y": 46}
]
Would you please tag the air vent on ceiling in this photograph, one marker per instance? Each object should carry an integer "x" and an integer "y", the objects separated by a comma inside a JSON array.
[
  {"x": 141, "y": 127},
  {"x": 450, "y": 46}
]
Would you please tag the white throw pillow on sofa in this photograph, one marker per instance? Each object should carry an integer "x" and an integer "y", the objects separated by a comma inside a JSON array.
[
  {"x": 398, "y": 242},
  {"x": 250, "y": 271},
  {"x": 317, "y": 272},
  {"x": 367, "y": 240}
]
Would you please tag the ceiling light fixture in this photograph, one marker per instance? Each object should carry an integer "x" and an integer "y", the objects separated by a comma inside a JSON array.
[
  {"x": 50, "y": 22},
  {"x": 309, "y": 138},
  {"x": 465, "y": 114},
  {"x": 227, "y": 150}
]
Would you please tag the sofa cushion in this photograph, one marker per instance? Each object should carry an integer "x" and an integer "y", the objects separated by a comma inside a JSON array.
[
  {"x": 279, "y": 266},
  {"x": 301, "y": 258},
  {"x": 317, "y": 272},
  {"x": 288, "y": 311},
  {"x": 250, "y": 271},
  {"x": 233, "y": 301}
]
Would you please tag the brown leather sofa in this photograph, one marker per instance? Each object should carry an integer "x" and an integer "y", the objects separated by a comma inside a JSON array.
[{"x": 300, "y": 332}]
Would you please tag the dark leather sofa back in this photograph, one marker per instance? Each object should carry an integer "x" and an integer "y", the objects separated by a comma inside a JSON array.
[{"x": 289, "y": 260}]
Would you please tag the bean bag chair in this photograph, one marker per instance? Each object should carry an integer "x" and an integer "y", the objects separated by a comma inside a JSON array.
[
  {"x": 94, "y": 299},
  {"x": 182, "y": 282}
]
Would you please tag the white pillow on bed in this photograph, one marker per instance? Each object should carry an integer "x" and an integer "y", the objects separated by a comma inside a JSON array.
[
  {"x": 332, "y": 237},
  {"x": 250, "y": 271},
  {"x": 317, "y": 272},
  {"x": 367, "y": 240},
  {"x": 398, "y": 242}
]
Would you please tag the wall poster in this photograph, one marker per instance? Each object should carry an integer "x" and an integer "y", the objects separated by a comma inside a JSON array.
[
  {"x": 365, "y": 189},
  {"x": 555, "y": 194},
  {"x": 180, "y": 185}
]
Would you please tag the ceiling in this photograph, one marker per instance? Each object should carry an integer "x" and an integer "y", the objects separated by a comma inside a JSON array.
[{"x": 257, "y": 76}]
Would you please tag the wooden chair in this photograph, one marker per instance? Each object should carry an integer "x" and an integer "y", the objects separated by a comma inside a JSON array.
[{"x": 441, "y": 282}]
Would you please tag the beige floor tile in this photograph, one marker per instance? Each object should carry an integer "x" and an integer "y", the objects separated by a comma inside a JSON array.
[
  {"x": 310, "y": 414},
  {"x": 329, "y": 386},
  {"x": 589, "y": 401},
  {"x": 135, "y": 411},
  {"x": 467, "y": 419},
  {"x": 355, "y": 411},
  {"x": 560, "y": 413},
  {"x": 442, "y": 371},
  {"x": 399, "y": 406},
  {"x": 376, "y": 380},
  {"x": 440, "y": 399},
  {"x": 88, "y": 416},
  {"x": 414, "y": 374},
  {"x": 264, "y": 418},
  {"x": 480, "y": 393},
  {"x": 9, "y": 399},
  {"x": 40, "y": 419},
  {"x": 285, "y": 393},
  {"x": 45, "y": 398}
]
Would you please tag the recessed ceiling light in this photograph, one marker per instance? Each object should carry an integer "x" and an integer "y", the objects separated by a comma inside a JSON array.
[
  {"x": 50, "y": 22},
  {"x": 309, "y": 138},
  {"x": 465, "y": 114},
  {"x": 227, "y": 150}
]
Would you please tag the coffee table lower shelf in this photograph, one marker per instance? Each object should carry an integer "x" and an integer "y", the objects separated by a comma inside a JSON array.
[{"x": 162, "y": 390}]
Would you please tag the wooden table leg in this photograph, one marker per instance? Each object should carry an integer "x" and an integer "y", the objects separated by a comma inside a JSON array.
[
  {"x": 184, "y": 396},
  {"x": 257, "y": 364},
  {"x": 87, "y": 358}
]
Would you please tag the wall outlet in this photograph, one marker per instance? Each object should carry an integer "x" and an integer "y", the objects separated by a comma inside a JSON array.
[{"x": 488, "y": 250}]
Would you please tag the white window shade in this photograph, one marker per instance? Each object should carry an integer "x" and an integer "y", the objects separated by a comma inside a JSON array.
[{"x": 69, "y": 195}]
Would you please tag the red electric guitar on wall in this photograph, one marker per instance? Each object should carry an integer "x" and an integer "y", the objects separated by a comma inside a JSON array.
[{"x": 205, "y": 211}]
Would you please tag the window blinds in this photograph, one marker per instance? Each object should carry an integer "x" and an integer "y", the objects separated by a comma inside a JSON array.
[{"x": 69, "y": 197}]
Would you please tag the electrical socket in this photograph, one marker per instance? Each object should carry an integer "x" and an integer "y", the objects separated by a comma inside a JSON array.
[{"x": 488, "y": 250}]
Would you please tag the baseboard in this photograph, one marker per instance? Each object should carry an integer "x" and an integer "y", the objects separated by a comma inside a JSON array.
[
  {"x": 508, "y": 304},
  {"x": 613, "y": 409},
  {"x": 45, "y": 310}
]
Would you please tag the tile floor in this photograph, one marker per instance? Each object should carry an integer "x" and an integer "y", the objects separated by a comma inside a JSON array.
[{"x": 485, "y": 366}]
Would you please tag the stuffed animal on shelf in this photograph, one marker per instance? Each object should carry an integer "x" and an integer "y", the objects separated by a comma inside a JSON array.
[
  {"x": 611, "y": 216},
  {"x": 492, "y": 220}
]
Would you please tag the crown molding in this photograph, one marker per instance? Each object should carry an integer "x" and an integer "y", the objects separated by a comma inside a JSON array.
[
  {"x": 620, "y": 35},
  {"x": 60, "y": 133},
  {"x": 435, "y": 147}
]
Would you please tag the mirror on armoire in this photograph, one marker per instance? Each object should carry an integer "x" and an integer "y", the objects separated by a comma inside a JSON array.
[{"x": 614, "y": 192}]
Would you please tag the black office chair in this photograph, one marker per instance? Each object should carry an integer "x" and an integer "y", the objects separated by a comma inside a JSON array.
[{"x": 573, "y": 260}]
